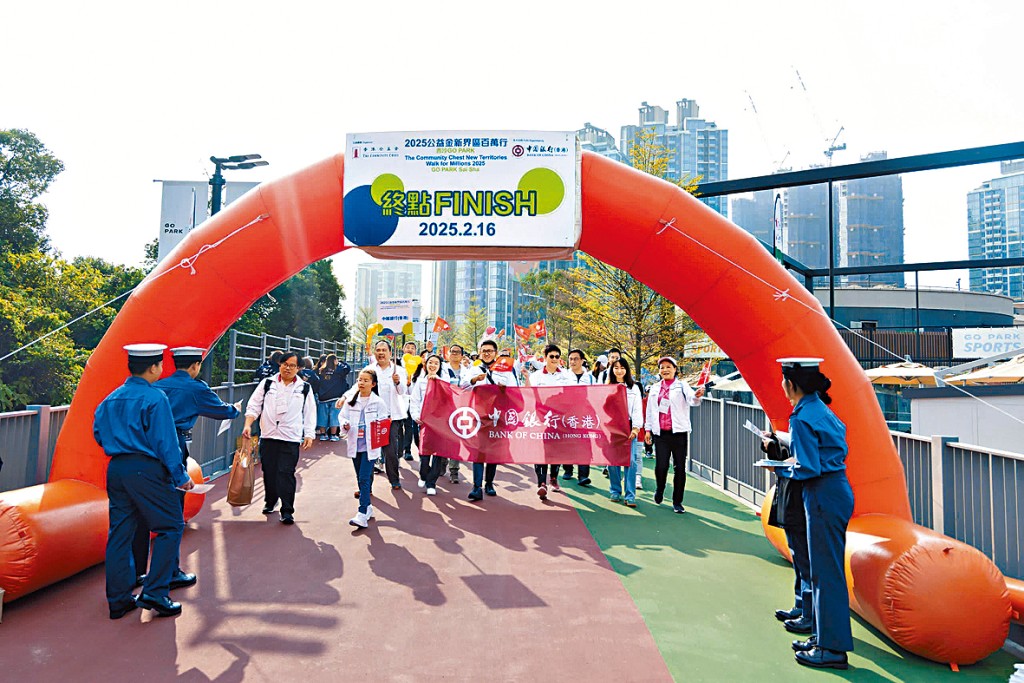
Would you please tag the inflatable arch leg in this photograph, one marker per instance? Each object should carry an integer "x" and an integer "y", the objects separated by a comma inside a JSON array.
[{"x": 712, "y": 269}]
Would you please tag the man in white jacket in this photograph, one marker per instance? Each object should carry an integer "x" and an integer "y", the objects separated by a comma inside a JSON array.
[
  {"x": 551, "y": 375},
  {"x": 478, "y": 375},
  {"x": 286, "y": 408},
  {"x": 392, "y": 384}
]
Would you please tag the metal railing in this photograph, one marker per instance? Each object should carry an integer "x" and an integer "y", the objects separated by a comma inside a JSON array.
[
  {"x": 248, "y": 351},
  {"x": 970, "y": 493}
]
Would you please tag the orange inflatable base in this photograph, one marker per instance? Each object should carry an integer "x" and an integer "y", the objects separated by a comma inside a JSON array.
[
  {"x": 918, "y": 586},
  {"x": 52, "y": 531}
]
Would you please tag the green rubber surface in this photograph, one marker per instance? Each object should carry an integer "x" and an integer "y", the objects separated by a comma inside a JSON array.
[{"x": 708, "y": 582}]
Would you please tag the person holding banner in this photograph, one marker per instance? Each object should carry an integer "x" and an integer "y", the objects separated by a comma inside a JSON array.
[
  {"x": 668, "y": 427},
  {"x": 392, "y": 386},
  {"x": 487, "y": 372},
  {"x": 551, "y": 375},
  {"x": 431, "y": 466},
  {"x": 620, "y": 374},
  {"x": 360, "y": 410},
  {"x": 451, "y": 372},
  {"x": 411, "y": 361},
  {"x": 577, "y": 370}
]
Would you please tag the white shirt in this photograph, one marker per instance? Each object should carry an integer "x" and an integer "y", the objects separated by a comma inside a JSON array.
[
  {"x": 283, "y": 413},
  {"x": 503, "y": 378},
  {"x": 419, "y": 392},
  {"x": 392, "y": 395},
  {"x": 680, "y": 398},
  {"x": 585, "y": 378},
  {"x": 372, "y": 409},
  {"x": 635, "y": 403},
  {"x": 560, "y": 378}
]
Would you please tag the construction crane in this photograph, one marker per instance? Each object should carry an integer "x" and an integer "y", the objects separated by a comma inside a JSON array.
[
  {"x": 832, "y": 147},
  {"x": 764, "y": 136}
]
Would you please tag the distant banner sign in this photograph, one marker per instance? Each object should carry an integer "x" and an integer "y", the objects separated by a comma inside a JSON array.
[
  {"x": 703, "y": 348},
  {"x": 398, "y": 315},
  {"x": 182, "y": 208},
  {"x": 461, "y": 189},
  {"x": 979, "y": 342}
]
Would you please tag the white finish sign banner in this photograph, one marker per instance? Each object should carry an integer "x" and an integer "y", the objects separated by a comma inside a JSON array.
[
  {"x": 980, "y": 342},
  {"x": 398, "y": 315},
  {"x": 461, "y": 189}
]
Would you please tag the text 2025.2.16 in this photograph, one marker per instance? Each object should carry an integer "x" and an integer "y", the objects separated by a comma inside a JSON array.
[{"x": 454, "y": 229}]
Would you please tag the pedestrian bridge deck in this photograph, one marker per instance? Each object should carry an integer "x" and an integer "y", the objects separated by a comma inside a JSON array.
[{"x": 440, "y": 588}]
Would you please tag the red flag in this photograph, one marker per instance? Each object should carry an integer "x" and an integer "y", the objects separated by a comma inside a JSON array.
[
  {"x": 705, "y": 374},
  {"x": 542, "y": 329},
  {"x": 503, "y": 364},
  {"x": 523, "y": 332},
  {"x": 575, "y": 424},
  {"x": 441, "y": 325},
  {"x": 380, "y": 433}
]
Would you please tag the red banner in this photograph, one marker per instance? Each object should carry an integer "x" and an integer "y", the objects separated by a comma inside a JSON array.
[
  {"x": 576, "y": 425},
  {"x": 523, "y": 333},
  {"x": 541, "y": 328},
  {"x": 380, "y": 433},
  {"x": 441, "y": 325}
]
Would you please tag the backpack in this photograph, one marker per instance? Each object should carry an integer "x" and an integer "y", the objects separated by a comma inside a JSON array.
[{"x": 305, "y": 391}]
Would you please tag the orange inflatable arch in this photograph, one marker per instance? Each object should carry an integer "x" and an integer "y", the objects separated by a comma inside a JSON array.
[{"x": 934, "y": 596}]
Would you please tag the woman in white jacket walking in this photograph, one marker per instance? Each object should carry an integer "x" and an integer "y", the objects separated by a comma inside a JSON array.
[
  {"x": 431, "y": 466},
  {"x": 360, "y": 408},
  {"x": 668, "y": 426},
  {"x": 620, "y": 374}
]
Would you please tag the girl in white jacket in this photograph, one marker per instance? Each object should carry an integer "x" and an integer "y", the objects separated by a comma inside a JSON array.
[
  {"x": 431, "y": 466},
  {"x": 620, "y": 374},
  {"x": 360, "y": 408}
]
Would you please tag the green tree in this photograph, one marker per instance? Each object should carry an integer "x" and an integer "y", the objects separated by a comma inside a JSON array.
[
  {"x": 472, "y": 327},
  {"x": 27, "y": 168}
]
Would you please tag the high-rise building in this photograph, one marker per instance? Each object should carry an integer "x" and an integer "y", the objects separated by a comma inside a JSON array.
[
  {"x": 697, "y": 147},
  {"x": 594, "y": 139},
  {"x": 386, "y": 280},
  {"x": 756, "y": 214},
  {"x": 994, "y": 231},
  {"x": 870, "y": 219}
]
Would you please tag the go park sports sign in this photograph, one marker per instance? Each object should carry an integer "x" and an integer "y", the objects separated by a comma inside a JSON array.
[{"x": 461, "y": 189}]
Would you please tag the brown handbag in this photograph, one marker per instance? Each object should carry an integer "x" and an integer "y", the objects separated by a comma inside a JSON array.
[{"x": 243, "y": 472}]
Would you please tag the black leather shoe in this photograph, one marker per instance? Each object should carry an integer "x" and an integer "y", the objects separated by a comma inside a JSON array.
[
  {"x": 802, "y": 625},
  {"x": 659, "y": 496},
  {"x": 269, "y": 509},
  {"x": 120, "y": 612},
  {"x": 476, "y": 494},
  {"x": 787, "y": 614},
  {"x": 821, "y": 658},
  {"x": 585, "y": 481},
  {"x": 407, "y": 456},
  {"x": 489, "y": 490},
  {"x": 805, "y": 645},
  {"x": 286, "y": 518},
  {"x": 164, "y": 607},
  {"x": 139, "y": 580},
  {"x": 182, "y": 580}
]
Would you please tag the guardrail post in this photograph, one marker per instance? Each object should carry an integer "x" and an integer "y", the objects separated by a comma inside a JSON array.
[
  {"x": 939, "y": 445},
  {"x": 232, "y": 355},
  {"x": 39, "y": 437},
  {"x": 263, "y": 346},
  {"x": 721, "y": 440}
]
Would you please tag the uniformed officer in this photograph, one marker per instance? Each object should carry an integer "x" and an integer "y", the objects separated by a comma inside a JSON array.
[
  {"x": 818, "y": 442},
  {"x": 135, "y": 427},
  {"x": 190, "y": 398}
]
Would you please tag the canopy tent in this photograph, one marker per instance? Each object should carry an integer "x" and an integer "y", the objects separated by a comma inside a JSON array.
[
  {"x": 905, "y": 374},
  {"x": 1010, "y": 372}
]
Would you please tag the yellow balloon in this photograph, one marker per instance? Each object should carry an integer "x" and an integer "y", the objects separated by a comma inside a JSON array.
[
  {"x": 407, "y": 328},
  {"x": 411, "y": 362}
]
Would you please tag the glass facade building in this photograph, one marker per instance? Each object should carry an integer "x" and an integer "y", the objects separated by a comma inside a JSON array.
[{"x": 994, "y": 231}]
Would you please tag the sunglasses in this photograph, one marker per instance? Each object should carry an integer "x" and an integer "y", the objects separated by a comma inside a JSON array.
[{"x": 554, "y": 356}]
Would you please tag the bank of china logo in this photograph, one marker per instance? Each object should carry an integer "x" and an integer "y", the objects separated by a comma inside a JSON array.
[{"x": 464, "y": 423}]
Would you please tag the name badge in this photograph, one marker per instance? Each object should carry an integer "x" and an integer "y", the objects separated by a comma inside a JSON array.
[
  {"x": 362, "y": 432},
  {"x": 664, "y": 406}
]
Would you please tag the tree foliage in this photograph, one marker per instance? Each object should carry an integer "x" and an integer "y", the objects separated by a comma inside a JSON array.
[
  {"x": 471, "y": 329},
  {"x": 596, "y": 307},
  {"x": 27, "y": 168}
]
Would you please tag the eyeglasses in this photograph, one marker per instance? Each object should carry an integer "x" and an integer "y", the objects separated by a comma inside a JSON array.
[
  {"x": 554, "y": 356},
  {"x": 291, "y": 366}
]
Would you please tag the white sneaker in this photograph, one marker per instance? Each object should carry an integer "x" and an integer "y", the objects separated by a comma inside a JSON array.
[
  {"x": 422, "y": 483},
  {"x": 639, "y": 482},
  {"x": 431, "y": 491},
  {"x": 369, "y": 512},
  {"x": 361, "y": 520}
]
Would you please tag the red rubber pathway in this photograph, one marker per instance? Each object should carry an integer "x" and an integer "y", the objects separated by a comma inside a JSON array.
[{"x": 438, "y": 588}]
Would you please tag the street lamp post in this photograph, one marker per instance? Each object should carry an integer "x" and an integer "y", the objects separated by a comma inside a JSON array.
[{"x": 238, "y": 162}]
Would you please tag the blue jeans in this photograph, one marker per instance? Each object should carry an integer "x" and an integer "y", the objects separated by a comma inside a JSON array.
[
  {"x": 364, "y": 475},
  {"x": 615, "y": 473}
]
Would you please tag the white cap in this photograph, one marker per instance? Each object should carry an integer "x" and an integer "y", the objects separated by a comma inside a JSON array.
[
  {"x": 668, "y": 359},
  {"x": 800, "y": 362},
  {"x": 145, "y": 352},
  {"x": 602, "y": 359},
  {"x": 187, "y": 351}
]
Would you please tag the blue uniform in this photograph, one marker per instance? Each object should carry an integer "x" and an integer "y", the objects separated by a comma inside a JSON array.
[
  {"x": 819, "y": 446},
  {"x": 190, "y": 399},
  {"x": 135, "y": 427}
]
